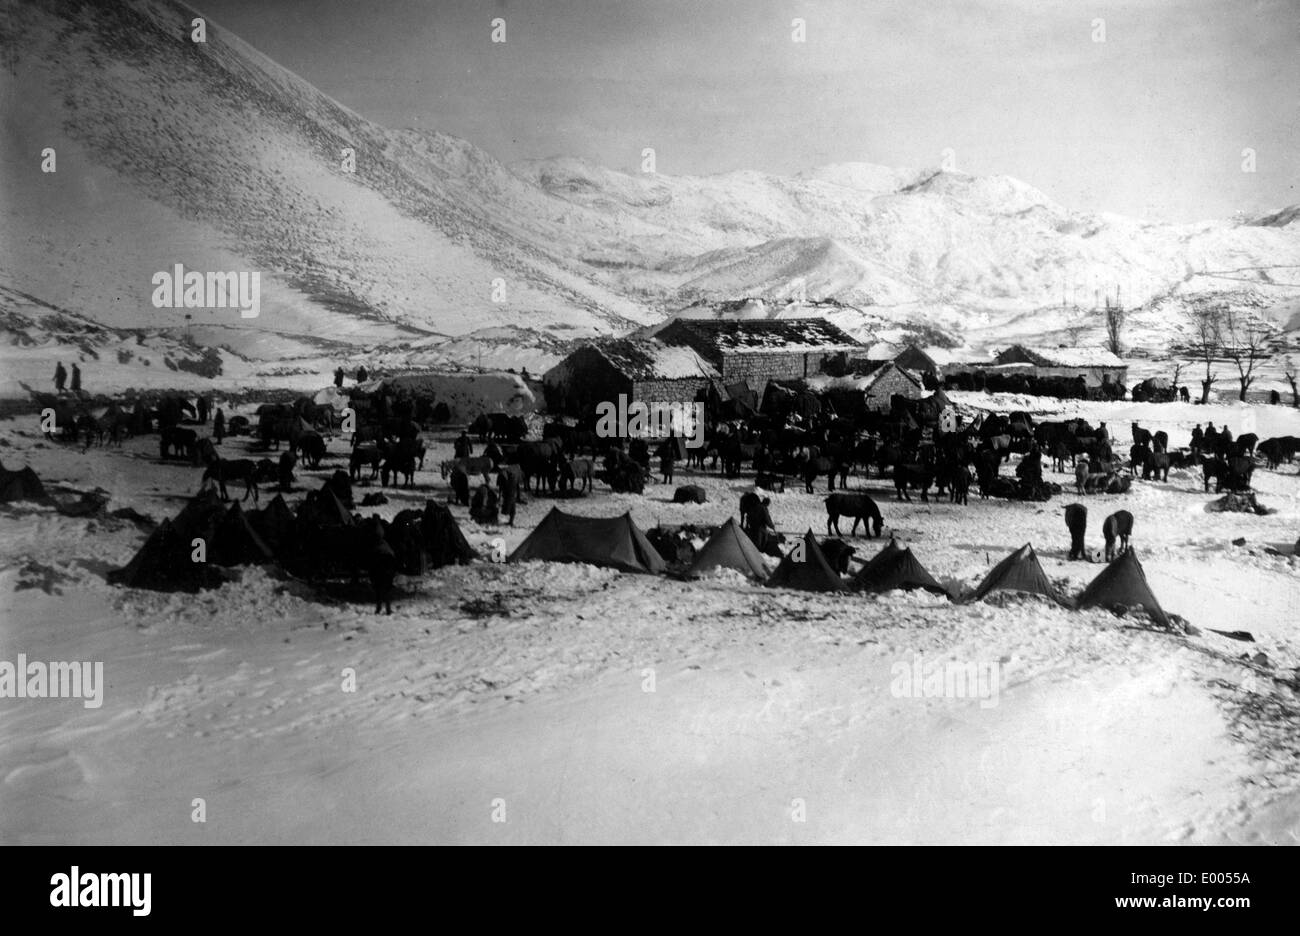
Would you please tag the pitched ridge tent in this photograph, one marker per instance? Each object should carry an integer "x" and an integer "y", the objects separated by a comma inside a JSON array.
[
  {"x": 883, "y": 556},
  {"x": 164, "y": 563},
  {"x": 900, "y": 569},
  {"x": 1123, "y": 583},
  {"x": 729, "y": 548},
  {"x": 444, "y": 543},
  {"x": 234, "y": 541},
  {"x": 23, "y": 484},
  {"x": 323, "y": 508},
  {"x": 812, "y": 573},
  {"x": 1020, "y": 572},
  {"x": 199, "y": 515},
  {"x": 277, "y": 527},
  {"x": 615, "y": 542}
]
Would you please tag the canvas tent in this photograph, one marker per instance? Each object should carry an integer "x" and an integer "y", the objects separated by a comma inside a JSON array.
[
  {"x": 1018, "y": 572},
  {"x": 810, "y": 573},
  {"x": 444, "y": 543},
  {"x": 277, "y": 527},
  {"x": 232, "y": 540},
  {"x": 615, "y": 542},
  {"x": 1123, "y": 584},
  {"x": 20, "y": 485},
  {"x": 883, "y": 556},
  {"x": 900, "y": 569},
  {"x": 729, "y": 548},
  {"x": 165, "y": 563}
]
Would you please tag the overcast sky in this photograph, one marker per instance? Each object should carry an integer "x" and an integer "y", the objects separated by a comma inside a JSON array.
[{"x": 1151, "y": 122}]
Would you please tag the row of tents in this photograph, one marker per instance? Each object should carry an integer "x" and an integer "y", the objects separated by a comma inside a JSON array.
[
  {"x": 617, "y": 542},
  {"x": 321, "y": 537},
  {"x": 323, "y": 529}
]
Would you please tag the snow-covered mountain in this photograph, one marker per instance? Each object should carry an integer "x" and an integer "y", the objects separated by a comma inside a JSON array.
[{"x": 213, "y": 156}]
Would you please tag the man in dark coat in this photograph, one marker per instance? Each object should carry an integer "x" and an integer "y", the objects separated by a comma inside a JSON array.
[
  {"x": 484, "y": 505},
  {"x": 60, "y": 377},
  {"x": 338, "y": 377},
  {"x": 1030, "y": 469},
  {"x": 463, "y": 447},
  {"x": 667, "y": 459},
  {"x": 76, "y": 380},
  {"x": 288, "y": 460},
  {"x": 383, "y": 569},
  {"x": 1198, "y": 439},
  {"x": 219, "y": 425},
  {"x": 204, "y": 404},
  {"x": 1076, "y": 519},
  {"x": 509, "y": 489}
]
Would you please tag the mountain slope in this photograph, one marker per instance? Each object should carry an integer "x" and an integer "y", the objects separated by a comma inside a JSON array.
[{"x": 432, "y": 252}]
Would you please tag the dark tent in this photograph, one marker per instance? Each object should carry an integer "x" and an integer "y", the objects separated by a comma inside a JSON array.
[
  {"x": 277, "y": 527},
  {"x": 322, "y": 509},
  {"x": 199, "y": 515},
  {"x": 891, "y": 548},
  {"x": 20, "y": 485},
  {"x": 233, "y": 541},
  {"x": 811, "y": 573},
  {"x": 1019, "y": 572},
  {"x": 444, "y": 543},
  {"x": 900, "y": 569},
  {"x": 164, "y": 563},
  {"x": 729, "y": 548},
  {"x": 1123, "y": 584},
  {"x": 603, "y": 541}
]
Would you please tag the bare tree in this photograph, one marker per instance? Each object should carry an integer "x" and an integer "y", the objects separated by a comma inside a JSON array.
[
  {"x": 1178, "y": 373},
  {"x": 1289, "y": 371},
  {"x": 1248, "y": 340},
  {"x": 1115, "y": 316},
  {"x": 1207, "y": 330}
]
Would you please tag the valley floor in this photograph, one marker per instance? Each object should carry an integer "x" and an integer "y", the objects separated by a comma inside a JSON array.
[{"x": 520, "y": 692}]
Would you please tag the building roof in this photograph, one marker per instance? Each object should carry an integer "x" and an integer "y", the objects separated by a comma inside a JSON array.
[
  {"x": 799, "y": 335},
  {"x": 1067, "y": 357},
  {"x": 648, "y": 359},
  {"x": 889, "y": 367}
]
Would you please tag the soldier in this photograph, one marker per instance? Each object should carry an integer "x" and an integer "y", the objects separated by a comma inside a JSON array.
[
  {"x": 1076, "y": 519},
  {"x": 60, "y": 377},
  {"x": 383, "y": 569},
  {"x": 76, "y": 380},
  {"x": 219, "y": 425}
]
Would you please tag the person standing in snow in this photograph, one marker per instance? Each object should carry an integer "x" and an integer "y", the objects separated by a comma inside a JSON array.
[
  {"x": 383, "y": 569},
  {"x": 219, "y": 425},
  {"x": 668, "y": 458},
  {"x": 1076, "y": 520},
  {"x": 509, "y": 489},
  {"x": 76, "y": 380},
  {"x": 338, "y": 377},
  {"x": 60, "y": 377}
]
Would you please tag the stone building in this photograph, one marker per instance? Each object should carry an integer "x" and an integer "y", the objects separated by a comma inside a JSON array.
[
  {"x": 643, "y": 370},
  {"x": 886, "y": 381},
  {"x": 1095, "y": 365},
  {"x": 761, "y": 350}
]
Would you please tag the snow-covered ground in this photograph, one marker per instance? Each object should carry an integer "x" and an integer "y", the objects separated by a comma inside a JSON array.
[{"x": 521, "y": 691}]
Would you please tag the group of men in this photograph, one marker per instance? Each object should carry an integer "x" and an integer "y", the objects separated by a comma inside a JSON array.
[{"x": 61, "y": 379}]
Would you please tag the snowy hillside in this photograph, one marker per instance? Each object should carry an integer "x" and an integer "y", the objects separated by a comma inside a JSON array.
[{"x": 433, "y": 252}]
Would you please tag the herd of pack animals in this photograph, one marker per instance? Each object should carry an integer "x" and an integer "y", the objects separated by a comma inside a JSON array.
[{"x": 567, "y": 459}]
